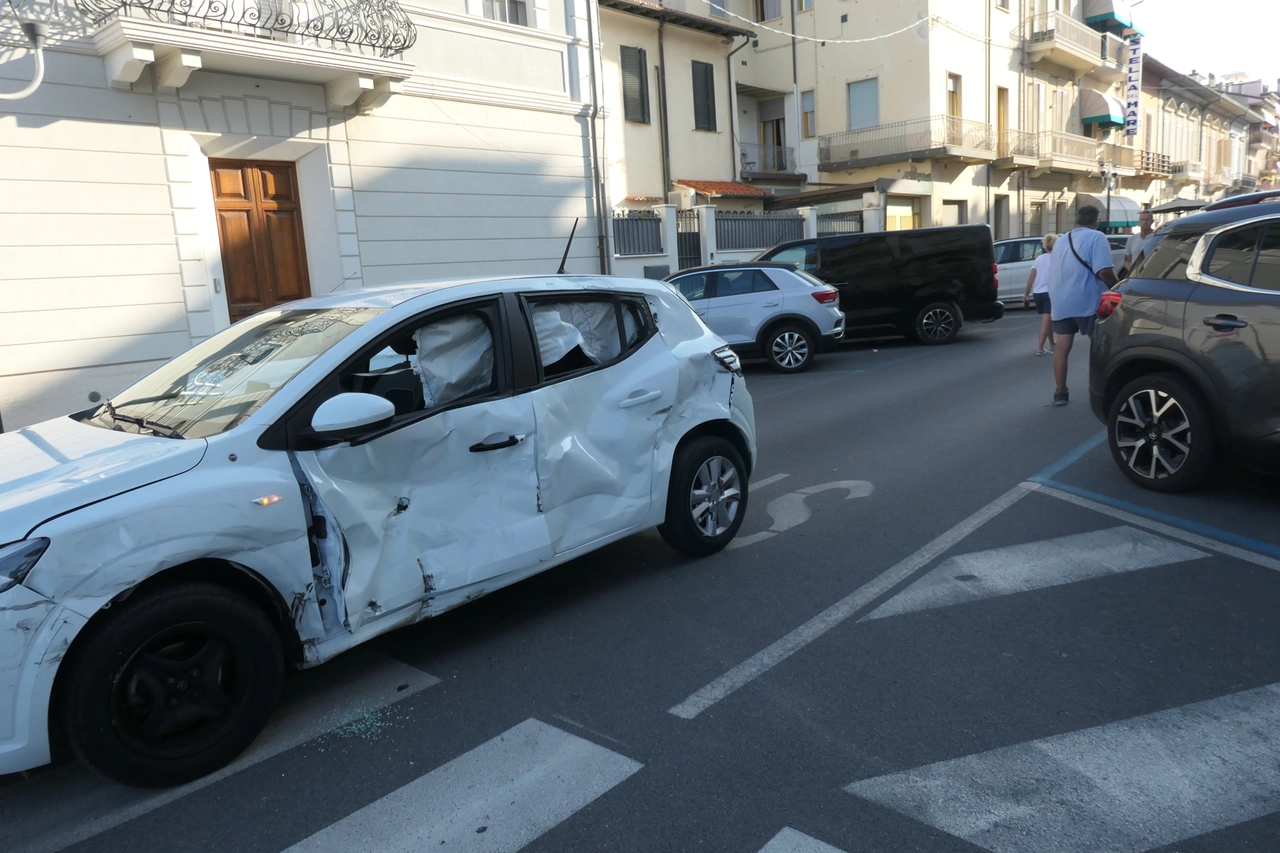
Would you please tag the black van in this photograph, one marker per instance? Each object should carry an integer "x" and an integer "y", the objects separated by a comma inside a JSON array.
[{"x": 926, "y": 282}]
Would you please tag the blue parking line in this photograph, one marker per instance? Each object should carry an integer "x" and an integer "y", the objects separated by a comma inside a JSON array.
[
  {"x": 1171, "y": 520},
  {"x": 1055, "y": 468}
]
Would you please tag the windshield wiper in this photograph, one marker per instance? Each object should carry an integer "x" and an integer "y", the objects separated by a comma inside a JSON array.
[{"x": 155, "y": 427}]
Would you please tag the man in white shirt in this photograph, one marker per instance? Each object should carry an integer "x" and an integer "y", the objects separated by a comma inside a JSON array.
[
  {"x": 1138, "y": 242},
  {"x": 1082, "y": 272}
]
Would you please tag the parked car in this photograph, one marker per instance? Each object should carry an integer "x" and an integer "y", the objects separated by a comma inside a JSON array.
[
  {"x": 317, "y": 475},
  {"x": 1185, "y": 368},
  {"x": 1014, "y": 258},
  {"x": 926, "y": 282},
  {"x": 765, "y": 310}
]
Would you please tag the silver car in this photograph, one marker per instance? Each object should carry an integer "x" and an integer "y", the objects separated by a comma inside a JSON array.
[
  {"x": 1014, "y": 259},
  {"x": 766, "y": 310}
]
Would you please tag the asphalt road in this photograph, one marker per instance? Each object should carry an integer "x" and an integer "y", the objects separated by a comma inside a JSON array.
[{"x": 950, "y": 624}]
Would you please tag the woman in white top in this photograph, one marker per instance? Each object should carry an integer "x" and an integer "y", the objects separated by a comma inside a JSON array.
[{"x": 1038, "y": 287}]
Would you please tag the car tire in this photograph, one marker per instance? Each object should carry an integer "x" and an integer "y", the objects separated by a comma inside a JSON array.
[
  {"x": 707, "y": 463},
  {"x": 1165, "y": 406},
  {"x": 171, "y": 685},
  {"x": 789, "y": 348},
  {"x": 937, "y": 323}
]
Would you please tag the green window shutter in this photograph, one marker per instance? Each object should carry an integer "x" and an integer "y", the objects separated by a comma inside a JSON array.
[
  {"x": 704, "y": 96},
  {"x": 635, "y": 85}
]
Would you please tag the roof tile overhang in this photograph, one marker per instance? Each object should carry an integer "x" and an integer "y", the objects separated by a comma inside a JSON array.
[
  {"x": 658, "y": 12},
  {"x": 724, "y": 189}
]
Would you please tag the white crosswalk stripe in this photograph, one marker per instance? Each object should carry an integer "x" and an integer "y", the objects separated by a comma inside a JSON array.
[
  {"x": 498, "y": 797},
  {"x": 794, "y": 841},
  {"x": 67, "y": 804},
  {"x": 1035, "y": 565},
  {"x": 1123, "y": 787}
]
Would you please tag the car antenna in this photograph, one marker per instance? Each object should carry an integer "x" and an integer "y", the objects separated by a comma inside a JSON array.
[{"x": 567, "y": 245}]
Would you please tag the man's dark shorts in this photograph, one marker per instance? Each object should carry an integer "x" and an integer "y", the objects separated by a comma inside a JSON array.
[
  {"x": 1042, "y": 303},
  {"x": 1074, "y": 325}
]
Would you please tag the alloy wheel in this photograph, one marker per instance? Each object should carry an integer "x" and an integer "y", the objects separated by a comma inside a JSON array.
[
  {"x": 715, "y": 496},
  {"x": 790, "y": 349},
  {"x": 1153, "y": 434},
  {"x": 937, "y": 324}
]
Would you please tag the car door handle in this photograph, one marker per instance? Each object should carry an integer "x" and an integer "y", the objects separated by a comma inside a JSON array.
[
  {"x": 771, "y": 305},
  {"x": 638, "y": 397},
  {"x": 1223, "y": 322},
  {"x": 509, "y": 441}
]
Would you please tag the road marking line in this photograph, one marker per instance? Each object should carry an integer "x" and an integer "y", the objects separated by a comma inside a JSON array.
[
  {"x": 500, "y": 796},
  {"x": 1178, "y": 528},
  {"x": 1123, "y": 787},
  {"x": 68, "y": 804},
  {"x": 769, "y": 657},
  {"x": 1035, "y": 565},
  {"x": 744, "y": 541},
  {"x": 768, "y": 481},
  {"x": 1071, "y": 457},
  {"x": 792, "y": 841}
]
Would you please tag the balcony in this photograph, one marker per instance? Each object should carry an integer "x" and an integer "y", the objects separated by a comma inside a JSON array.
[
  {"x": 1059, "y": 38},
  {"x": 1068, "y": 152},
  {"x": 1218, "y": 178},
  {"x": 935, "y": 137},
  {"x": 1122, "y": 160},
  {"x": 347, "y": 45},
  {"x": 1262, "y": 138},
  {"x": 1245, "y": 183},
  {"x": 1153, "y": 164},
  {"x": 1017, "y": 149},
  {"x": 1112, "y": 65},
  {"x": 1187, "y": 172},
  {"x": 763, "y": 161}
]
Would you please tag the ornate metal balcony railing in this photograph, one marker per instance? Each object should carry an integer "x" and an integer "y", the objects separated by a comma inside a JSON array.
[
  {"x": 922, "y": 136},
  {"x": 767, "y": 158},
  {"x": 380, "y": 25},
  {"x": 1018, "y": 143}
]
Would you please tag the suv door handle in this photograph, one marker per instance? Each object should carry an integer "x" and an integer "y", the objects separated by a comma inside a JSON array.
[
  {"x": 638, "y": 397},
  {"x": 771, "y": 305},
  {"x": 1223, "y": 322},
  {"x": 509, "y": 441}
]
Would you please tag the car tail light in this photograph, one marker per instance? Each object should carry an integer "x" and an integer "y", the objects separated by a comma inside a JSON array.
[
  {"x": 728, "y": 360},
  {"x": 995, "y": 273},
  {"x": 1110, "y": 302},
  {"x": 826, "y": 296}
]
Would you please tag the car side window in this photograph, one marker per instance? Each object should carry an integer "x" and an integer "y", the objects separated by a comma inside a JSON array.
[
  {"x": 1266, "y": 274},
  {"x": 735, "y": 283},
  {"x": 575, "y": 334},
  {"x": 1168, "y": 258},
  {"x": 1232, "y": 255},
  {"x": 762, "y": 283},
  {"x": 693, "y": 286},
  {"x": 1006, "y": 252},
  {"x": 804, "y": 256},
  {"x": 1031, "y": 249}
]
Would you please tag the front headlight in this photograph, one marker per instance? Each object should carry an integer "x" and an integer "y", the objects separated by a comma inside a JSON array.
[{"x": 17, "y": 558}]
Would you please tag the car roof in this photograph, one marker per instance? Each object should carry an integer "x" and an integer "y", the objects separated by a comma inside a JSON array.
[
  {"x": 1243, "y": 200},
  {"x": 738, "y": 265},
  {"x": 1208, "y": 220},
  {"x": 391, "y": 295}
]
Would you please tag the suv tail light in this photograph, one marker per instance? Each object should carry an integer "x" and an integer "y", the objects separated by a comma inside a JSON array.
[
  {"x": 826, "y": 295},
  {"x": 1110, "y": 302},
  {"x": 995, "y": 274}
]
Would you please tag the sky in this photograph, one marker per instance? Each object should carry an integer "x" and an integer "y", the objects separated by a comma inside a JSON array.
[{"x": 1213, "y": 36}]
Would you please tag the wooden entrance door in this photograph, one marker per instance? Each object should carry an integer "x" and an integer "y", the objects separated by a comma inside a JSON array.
[{"x": 260, "y": 231}]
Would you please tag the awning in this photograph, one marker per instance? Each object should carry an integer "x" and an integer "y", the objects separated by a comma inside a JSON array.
[
  {"x": 1110, "y": 14},
  {"x": 1123, "y": 213},
  {"x": 1101, "y": 108},
  {"x": 1178, "y": 205}
]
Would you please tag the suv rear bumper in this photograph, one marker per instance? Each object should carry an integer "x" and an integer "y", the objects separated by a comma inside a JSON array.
[{"x": 985, "y": 312}]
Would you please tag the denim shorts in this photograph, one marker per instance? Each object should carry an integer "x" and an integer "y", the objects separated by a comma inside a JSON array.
[
  {"x": 1072, "y": 325},
  {"x": 1042, "y": 303}
]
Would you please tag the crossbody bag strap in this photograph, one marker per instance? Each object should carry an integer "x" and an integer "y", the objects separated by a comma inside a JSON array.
[{"x": 1072, "y": 244}]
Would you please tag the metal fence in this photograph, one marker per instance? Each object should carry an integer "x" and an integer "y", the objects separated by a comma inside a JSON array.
[
  {"x": 688, "y": 239},
  {"x": 767, "y": 158},
  {"x": 637, "y": 232},
  {"x": 839, "y": 223},
  {"x": 901, "y": 138},
  {"x": 756, "y": 230},
  {"x": 1018, "y": 143}
]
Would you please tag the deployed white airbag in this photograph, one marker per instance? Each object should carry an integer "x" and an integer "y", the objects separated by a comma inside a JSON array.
[
  {"x": 591, "y": 325},
  {"x": 455, "y": 357}
]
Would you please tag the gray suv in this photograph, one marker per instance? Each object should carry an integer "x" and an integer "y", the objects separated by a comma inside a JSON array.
[{"x": 1185, "y": 365}]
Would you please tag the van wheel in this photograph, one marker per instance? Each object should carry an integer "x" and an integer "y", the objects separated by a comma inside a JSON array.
[
  {"x": 1160, "y": 434},
  {"x": 172, "y": 685},
  {"x": 937, "y": 323},
  {"x": 789, "y": 348},
  {"x": 707, "y": 497}
]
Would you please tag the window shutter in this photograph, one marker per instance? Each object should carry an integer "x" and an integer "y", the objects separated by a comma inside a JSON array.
[
  {"x": 704, "y": 96},
  {"x": 635, "y": 84},
  {"x": 864, "y": 103}
]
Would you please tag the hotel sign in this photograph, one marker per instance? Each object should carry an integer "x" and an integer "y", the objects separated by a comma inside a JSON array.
[{"x": 1133, "y": 85}]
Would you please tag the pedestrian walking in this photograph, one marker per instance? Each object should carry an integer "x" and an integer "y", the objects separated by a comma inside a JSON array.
[
  {"x": 1138, "y": 242},
  {"x": 1080, "y": 273},
  {"x": 1038, "y": 289}
]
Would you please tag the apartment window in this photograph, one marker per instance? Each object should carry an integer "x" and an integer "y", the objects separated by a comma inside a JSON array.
[
  {"x": 717, "y": 8},
  {"x": 507, "y": 11},
  {"x": 768, "y": 10},
  {"x": 864, "y": 103},
  {"x": 704, "y": 96},
  {"x": 808, "y": 115},
  {"x": 635, "y": 84},
  {"x": 953, "y": 95},
  {"x": 804, "y": 5},
  {"x": 1002, "y": 4},
  {"x": 1035, "y": 222}
]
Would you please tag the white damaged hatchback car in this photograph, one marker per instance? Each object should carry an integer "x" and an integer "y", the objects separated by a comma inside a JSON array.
[{"x": 317, "y": 475}]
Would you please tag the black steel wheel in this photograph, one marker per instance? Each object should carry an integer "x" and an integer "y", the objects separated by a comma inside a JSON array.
[
  {"x": 707, "y": 497},
  {"x": 1161, "y": 435},
  {"x": 937, "y": 323},
  {"x": 171, "y": 685}
]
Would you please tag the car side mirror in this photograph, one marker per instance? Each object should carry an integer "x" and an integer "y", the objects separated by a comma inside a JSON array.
[{"x": 350, "y": 414}]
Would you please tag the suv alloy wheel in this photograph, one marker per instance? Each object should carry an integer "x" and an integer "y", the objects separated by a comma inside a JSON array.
[{"x": 1160, "y": 435}]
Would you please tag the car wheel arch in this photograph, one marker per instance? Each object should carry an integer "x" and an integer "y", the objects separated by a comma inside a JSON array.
[
  {"x": 1139, "y": 361},
  {"x": 722, "y": 429},
  {"x": 782, "y": 320}
]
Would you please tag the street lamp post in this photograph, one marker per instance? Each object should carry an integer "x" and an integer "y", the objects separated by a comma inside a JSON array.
[{"x": 37, "y": 33}]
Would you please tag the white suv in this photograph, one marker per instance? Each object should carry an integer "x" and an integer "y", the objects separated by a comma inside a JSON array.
[
  {"x": 768, "y": 310},
  {"x": 317, "y": 475}
]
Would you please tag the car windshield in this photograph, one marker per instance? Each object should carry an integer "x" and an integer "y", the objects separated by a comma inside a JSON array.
[{"x": 215, "y": 385}]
